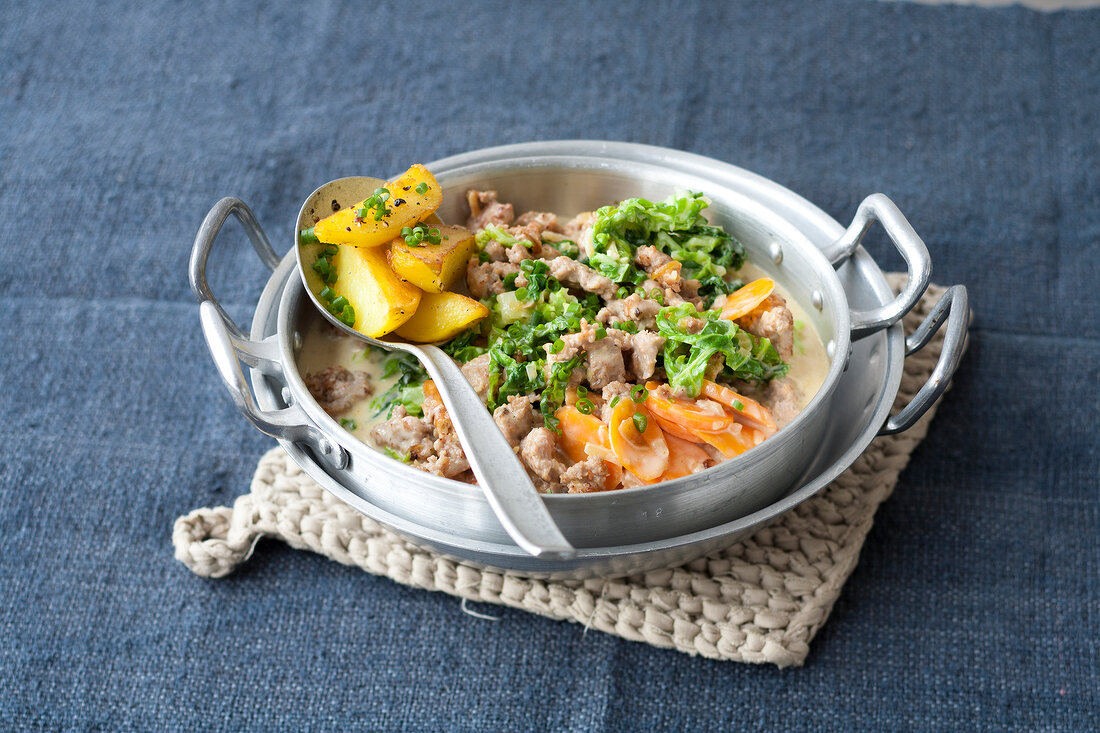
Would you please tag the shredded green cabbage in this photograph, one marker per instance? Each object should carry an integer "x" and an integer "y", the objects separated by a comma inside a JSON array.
[
  {"x": 674, "y": 226},
  {"x": 686, "y": 355}
]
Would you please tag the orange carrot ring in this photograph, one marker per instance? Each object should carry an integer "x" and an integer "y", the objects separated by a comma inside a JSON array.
[
  {"x": 744, "y": 300},
  {"x": 645, "y": 453}
]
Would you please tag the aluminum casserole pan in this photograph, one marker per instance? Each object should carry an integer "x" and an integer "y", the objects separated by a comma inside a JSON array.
[{"x": 571, "y": 176}]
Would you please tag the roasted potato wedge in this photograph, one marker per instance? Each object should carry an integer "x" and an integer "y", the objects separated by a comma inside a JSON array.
[
  {"x": 412, "y": 198},
  {"x": 382, "y": 300},
  {"x": 441, "y": 316},
  {"x": 433, "y": 267}
]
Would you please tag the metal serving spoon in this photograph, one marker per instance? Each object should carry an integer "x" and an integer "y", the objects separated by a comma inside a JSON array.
[{"x": 502, "y": 477}]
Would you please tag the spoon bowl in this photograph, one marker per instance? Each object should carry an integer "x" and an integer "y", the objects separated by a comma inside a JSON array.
[{"x": 507, "y": 487}]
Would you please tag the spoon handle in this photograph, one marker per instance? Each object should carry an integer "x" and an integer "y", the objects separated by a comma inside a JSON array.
[{"x": 513, "y": 497}]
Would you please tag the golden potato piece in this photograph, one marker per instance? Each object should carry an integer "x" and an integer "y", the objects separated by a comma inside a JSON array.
[
  {"x": 413, "y": 197},
  {"x": 442, "y": 316},
  {"x": 433, "y": 267},
  {"x": 381, "y": 299}
]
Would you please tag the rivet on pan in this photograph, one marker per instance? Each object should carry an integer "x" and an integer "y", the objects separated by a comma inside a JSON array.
[
  {"x": 775, "y": 249},
  {"x": 830, "y": 348},
  {"x": 817, "y": 300}
]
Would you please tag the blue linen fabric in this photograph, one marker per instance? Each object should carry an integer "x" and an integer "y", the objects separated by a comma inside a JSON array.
[{"x": 977, "y": 600}]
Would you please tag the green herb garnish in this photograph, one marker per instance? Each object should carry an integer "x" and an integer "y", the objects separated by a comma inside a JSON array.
[
  {"x": 417, "y": 235},
  {"x": 403, "y": 457},
  {"x": 376, "y": 203}
]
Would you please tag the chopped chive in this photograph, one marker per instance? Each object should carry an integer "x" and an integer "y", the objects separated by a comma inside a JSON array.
[
  {"x": 347, "y": 317},
  {"x": 521, "y": 294},
  {"x": 308, "y": 236},
  {"x": 582, "y": 391},
  {"x": 422, "y": 188},
  {"x": 348, "y": 424},
  {"x": 326, "y": 293},
  {"x": 403, "y": 457},
  {"x": 639, "y": 393},
  {"x": 738, "y": 405},
  {"x": 615, "y": 400},
  {"x": 622, "y": 293},
  {"x": 585, "y": 406},
  {"x": 601, "y": 333},
  {"x": 557, "y": 346},
  {"x": 640, "y": 422}
]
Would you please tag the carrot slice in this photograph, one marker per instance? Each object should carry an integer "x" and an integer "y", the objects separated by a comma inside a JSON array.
[
  {"x": 745, "y": 410},
  {"x": 691, "y": 414},
  {"x": 431, "y": 391},
  {"x": 731, "y": 442},
  {"x": 577, "y": 430},
  {"x": 684, "y": 458},
  {"x": 584, "y": 435},
  {"x": 643, "y": 453},
  {"x": 680, "y": 432},
  {"x": 744, "y": 300}
]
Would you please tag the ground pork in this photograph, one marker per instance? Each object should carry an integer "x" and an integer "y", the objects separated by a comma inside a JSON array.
[
  {"x": 531, "y": 225},
  {"x": 476, "y": 372},
  {"x": 337, "y": 390},
  {"x": 631, "y": 309},
  {"x": 643, "y": 348},
  {"x": 661, "y": 268},
  {"x": 405, "y": 434},
  {"x": 517, "y": 418},
  {"x": 572, "y": 273},
  {"x": 575, "y": 228},
  {"x": 586, "y": 476},
  {"x": 783, "y": 398},
  {"x": 486, "y": 210},
  {"x": 539, "y": 450},
  {"x": 603, "y": 357},
  {"x": 772, "y": 320},
  {"x": 487, "y": 278}
]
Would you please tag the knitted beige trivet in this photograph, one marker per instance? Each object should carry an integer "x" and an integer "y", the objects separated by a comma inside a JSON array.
[{"x": 760, "y": 600}]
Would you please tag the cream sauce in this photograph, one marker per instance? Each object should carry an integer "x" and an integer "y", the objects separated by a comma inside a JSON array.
[{"x": 323, "y": 346}]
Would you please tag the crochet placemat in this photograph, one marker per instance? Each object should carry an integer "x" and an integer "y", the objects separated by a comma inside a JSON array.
[{"x": 761, "y": 600}]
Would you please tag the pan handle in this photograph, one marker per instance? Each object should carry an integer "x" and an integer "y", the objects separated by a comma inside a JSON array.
[
  {"x": 877, "y": 207},
  {"x": 204, "y": 242},
  {"x": 954, "y": 308},
  {"x": 229, "y": 346}
]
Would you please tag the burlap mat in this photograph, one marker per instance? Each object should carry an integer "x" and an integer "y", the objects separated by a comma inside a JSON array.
[{"x": 760, "y": 600}]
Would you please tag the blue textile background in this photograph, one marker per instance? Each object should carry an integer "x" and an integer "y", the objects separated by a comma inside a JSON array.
[{"x": 977, "y": 600}]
